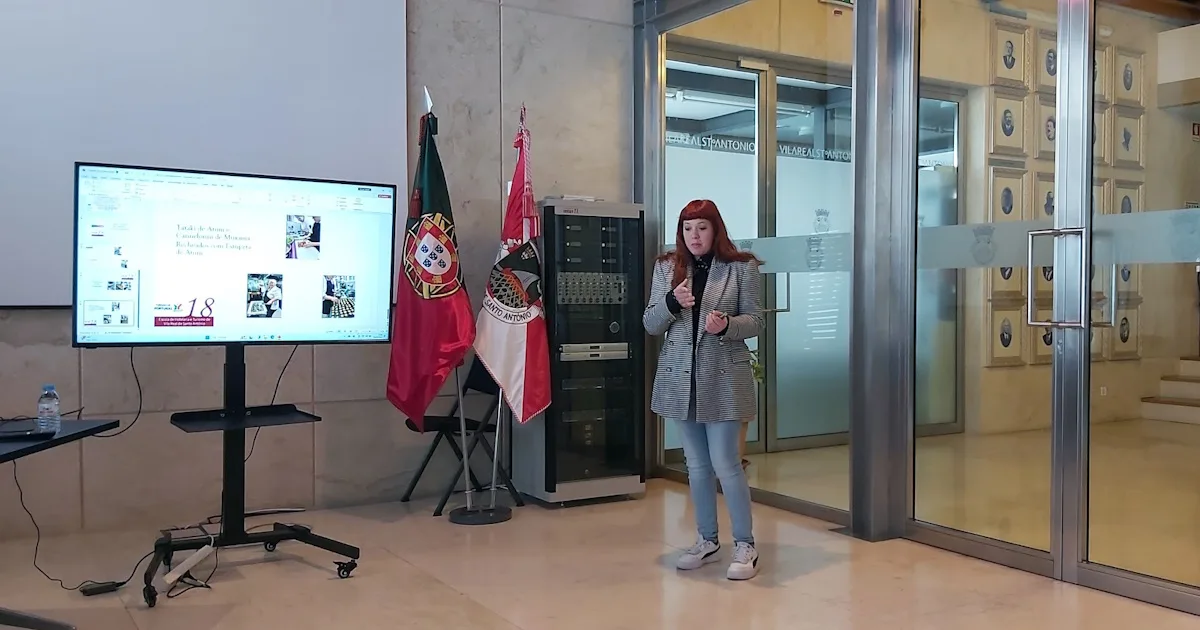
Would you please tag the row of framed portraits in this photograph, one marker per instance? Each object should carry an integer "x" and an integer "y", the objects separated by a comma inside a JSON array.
[
  {"x": 1011, "y": 342},
  {"x": 1118, "y": 133},
  {"x": 1026, "y": 58},
  {"x": 1017, "y": 195},
  {"x": 1009, "y": 283}
]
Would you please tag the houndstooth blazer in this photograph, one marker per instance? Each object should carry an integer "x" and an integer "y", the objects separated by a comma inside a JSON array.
[{"x": 725, "y": 387}]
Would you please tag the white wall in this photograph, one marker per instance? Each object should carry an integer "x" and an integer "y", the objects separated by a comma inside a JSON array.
[{"x": 225, "y": 85}]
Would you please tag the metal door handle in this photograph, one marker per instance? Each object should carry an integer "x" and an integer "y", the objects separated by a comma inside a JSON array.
[
  {"x": 1084, "y": 271},
  {"x": 787, "y": 279},
  {"x": 1112, "y": 302}
]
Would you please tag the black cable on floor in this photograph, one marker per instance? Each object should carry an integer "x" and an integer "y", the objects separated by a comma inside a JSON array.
[
  {"x": 138, "y": 381},
  {"x": 78, "y": 413},
  {"x": 191, "y": 582},
  {"x": 279, "y": 380},
  {"x": 37, "y": 543},
  {"x": 171, "y": 594}
]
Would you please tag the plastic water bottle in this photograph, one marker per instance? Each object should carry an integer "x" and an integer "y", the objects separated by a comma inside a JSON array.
[{"x": 48, "y": 418}]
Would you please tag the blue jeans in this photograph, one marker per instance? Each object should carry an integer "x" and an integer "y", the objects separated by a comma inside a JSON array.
[{"x": 711, "y": 450}]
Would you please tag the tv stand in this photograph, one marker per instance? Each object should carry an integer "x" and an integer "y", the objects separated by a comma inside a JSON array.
[{"x": 232, "y": 421}]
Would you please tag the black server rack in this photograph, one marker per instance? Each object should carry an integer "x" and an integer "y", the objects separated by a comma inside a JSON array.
[{"x": 589, "y": 443}]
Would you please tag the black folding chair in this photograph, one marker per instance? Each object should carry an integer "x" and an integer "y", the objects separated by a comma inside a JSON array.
[{"x": 448, "y": 429}]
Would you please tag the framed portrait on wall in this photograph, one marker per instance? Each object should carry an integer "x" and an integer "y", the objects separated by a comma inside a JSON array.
[
  {"x": 1010, "y": 43},
  {"x": 1006, "y": 128},
  {"x": 1006, "y": 339},
  {"x": 1127, "y": 198},
  {"x": 1009, "y": 187},
  {"x": 1101, "y": 74},
  {"x": 1098, "y": 335},
  {"x": 1101, "y": 289},
  {"x": 1128, "y": 136},
  {"x": 1101, "y": 204},
  {"x": 1047, "y": 61},
  {"x": 1129, "y": 75},
  {"x": 1101, "y": 134},
  {"x": 1047, "y": 128},
  {"x": 1006, "y": 283},
  {"x": 1042, "y": 207},
  {"x": 1125, "y": 342},
  {"x": 1043, "y": 282},
  {"x": 1041, "y": 343},
  {"x": 1008, "y": 200},
  {"x": 1127, "y": 280}
]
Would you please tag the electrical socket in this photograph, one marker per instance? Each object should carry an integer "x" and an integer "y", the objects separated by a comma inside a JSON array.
[{"x": 1103, "y": 390}]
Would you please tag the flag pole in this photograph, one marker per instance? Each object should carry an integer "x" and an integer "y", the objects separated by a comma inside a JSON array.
[
  {"x": 496, "y": 448},
  {"x": 462, "y": 424},
  {"x": 470, "y": 515},
  {"x": 462, "y": 417}
]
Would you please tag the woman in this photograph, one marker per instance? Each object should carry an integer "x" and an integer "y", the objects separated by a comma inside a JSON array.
[{"x": 706, "y": 299}]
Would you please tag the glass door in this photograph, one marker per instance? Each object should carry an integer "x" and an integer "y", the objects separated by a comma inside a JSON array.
[
  {"x": 1076, "y": 262},
  {"x": 712, "y": 112},
  {"x": 1137, "y": 431},
  {"x": 809, "y": 225},
  {"x": 987, "y": 138},
  {"x": 793, "y": 207}
]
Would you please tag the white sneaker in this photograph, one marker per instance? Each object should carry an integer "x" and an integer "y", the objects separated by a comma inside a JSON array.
[
  {"x": 702, "y": 553},
  {"x": 745, "y": 562}
]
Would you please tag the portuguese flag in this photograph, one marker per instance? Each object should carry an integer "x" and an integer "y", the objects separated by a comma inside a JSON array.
[{"x": 433, "y": 326}]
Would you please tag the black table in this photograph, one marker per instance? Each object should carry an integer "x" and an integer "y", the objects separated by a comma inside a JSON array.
[{"x": 12, "y": 450}]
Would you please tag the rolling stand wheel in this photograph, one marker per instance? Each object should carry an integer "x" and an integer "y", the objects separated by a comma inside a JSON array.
[
  {"x": 270, "y": 546},
  {"x": 150, "y": 595},
  {"x": 345, "y": 568}
]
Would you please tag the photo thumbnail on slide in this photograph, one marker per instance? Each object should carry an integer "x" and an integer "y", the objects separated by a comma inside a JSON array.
[
  {"x": 338, "y": 301},
  {"x": 303, "y": 238},
  {"x": 115, "y": 313},
  {"x": 264, "y": 295}
]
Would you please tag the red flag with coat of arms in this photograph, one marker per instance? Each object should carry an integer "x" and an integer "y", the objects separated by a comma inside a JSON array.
[
  {"x": 433, "y": 325},
  {"x": 511, "y": 341}
]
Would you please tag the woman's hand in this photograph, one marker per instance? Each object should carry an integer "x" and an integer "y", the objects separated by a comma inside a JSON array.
[
  {"x": 716, "y": 323},
  {"x": 683, "y": 294}
]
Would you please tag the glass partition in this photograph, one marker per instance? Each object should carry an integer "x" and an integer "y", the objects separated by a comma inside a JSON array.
[{"x": 1144, "y": 446}]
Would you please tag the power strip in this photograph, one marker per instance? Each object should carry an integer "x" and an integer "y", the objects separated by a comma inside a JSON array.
[{"x": 179, "y": 571}]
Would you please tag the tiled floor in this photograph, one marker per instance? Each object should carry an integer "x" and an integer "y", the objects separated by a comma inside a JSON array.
[{"x": 603, "y": 567}]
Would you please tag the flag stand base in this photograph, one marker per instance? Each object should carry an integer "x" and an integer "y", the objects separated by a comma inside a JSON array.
[{"x": 481, "y": 516}]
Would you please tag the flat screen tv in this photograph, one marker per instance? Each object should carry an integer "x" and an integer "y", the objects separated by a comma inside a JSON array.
[{"x": 180, "y": 257}]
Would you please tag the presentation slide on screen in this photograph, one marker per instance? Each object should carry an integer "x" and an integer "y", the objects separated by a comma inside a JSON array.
[{"x": 180, "y": 257}]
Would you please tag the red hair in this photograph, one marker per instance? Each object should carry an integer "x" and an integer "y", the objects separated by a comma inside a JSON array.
[{"x": 723, "y": 249}]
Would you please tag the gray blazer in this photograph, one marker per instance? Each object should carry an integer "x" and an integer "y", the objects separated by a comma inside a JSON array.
[{"x": 725, "y": 387}]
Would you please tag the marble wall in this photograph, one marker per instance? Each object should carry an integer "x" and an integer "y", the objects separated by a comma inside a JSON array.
[{"x": 569, "y": 61}]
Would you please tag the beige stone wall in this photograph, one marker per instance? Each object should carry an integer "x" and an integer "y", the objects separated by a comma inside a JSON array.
[
  {"x": 954, "y": 51},
  {"x": 569, "y": 60}
]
